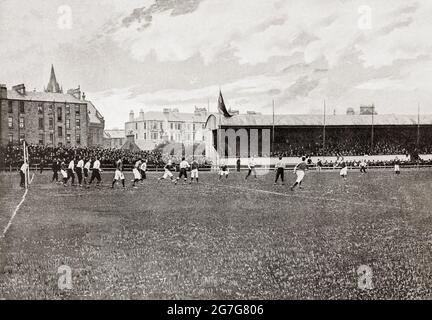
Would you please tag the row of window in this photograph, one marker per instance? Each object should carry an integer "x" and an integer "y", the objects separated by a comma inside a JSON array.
[
  {"x": 42, "y": 124},
  {"x": 41, "y": 106},
  {"x": 174, "y": 126},
  {"x": 50, "y": 137},
  {"x": 157, "y": 136}
]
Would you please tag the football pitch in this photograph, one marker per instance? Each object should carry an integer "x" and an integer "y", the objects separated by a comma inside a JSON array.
[{"x": 220, "y": 240}]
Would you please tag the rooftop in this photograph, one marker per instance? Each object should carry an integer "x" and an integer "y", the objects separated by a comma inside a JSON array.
[
  {"x": 43, "y": 96},
  {"x": 247, "y": 120},
  {"x": 172, "y": 116}
]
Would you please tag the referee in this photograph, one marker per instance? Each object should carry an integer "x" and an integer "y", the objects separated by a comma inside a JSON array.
[{"x": 280, "y": 169}]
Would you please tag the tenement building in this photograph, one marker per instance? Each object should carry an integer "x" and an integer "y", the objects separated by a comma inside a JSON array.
[{"x": 50, "y": 118}]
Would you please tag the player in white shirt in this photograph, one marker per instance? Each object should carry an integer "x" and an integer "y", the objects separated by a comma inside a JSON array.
[
  {"x": 63, "y": 171},
  {"x": 280, "y": 169},
  {"x": 363, "y": 165},
  {"x": 251, "y": 166},
  {"x": 184, "y": 165},
  {"x": 136, "y": 172},
  {"x": 118, "y": 175},
  {"x": 87, "y": 167},
  {"x": 22, "y": 172},
  {"x": 397, "y": 166},
  {"x": 143, "y": 169},
  {"x": 71, "y": 173},
  {"x": 96, "y": 170},
  {"x": 79, "y": 170}
]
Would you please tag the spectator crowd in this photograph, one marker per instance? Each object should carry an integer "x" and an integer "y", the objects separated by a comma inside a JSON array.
[{"x": 11, "y": 156}]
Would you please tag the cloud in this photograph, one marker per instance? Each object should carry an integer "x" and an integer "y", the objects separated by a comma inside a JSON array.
[{"x": 178, "y": 52}]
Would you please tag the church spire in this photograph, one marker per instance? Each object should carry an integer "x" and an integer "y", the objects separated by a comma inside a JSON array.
[{"x": 53, "y": 85}]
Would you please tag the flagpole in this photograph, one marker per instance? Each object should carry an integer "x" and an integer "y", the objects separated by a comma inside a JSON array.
[
  {"x": 219, "y": 131},
  {"x": 324, "y": 130},
  {"x": 273, "y": 133},
  {"x": 418, "y": 125},
  {"x": 193, "y": 136},
  {"x": 372, "y": 129}
]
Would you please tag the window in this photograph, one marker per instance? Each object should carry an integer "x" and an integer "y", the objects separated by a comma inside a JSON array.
[
  {"x": 136, "y": 136},
  {"x": 155, "y": 125},
  {"x": 68, "y": 138},
  {"x": 41, "y": 123},
  {"x": 67, "y": 123},
  {"x": 68, "y": 110},
  {"x": 10, "y": 123},
  {"x": 10, "y": 109},
  {"x": 161, "y": 125},
  {"x": 172, "y": 126},
  {"x": 21, "y": 106},
  {"x": 136, "y": 125},
  {"x": 78, "y": 138},
  {"x": 22, "y": 137},
  {"x": 154, "y": 135},
  {"x": 78, "y": 124},
  {"x": 51, "y": 124},
  {"x": 59, "y": 114},
  {"x": 21, "y": 123},
  {"x": 145, "y": 125},
  {"x": 41, "y": 138},
  {"x": 60, "y": 132},
  {"x": 40, "y": 108},
  {"x": 50, "y": 109},
  {"x": 194, "y": 127},
  {"x": 10, "y": 137},
  {"x": 77, "y": 110},
  {"x": 51, "y": 138},
  {"x": 145, "y": 136}
]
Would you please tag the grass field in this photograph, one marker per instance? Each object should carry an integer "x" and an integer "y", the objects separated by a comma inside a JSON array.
[{"x": 220, "y": 240}]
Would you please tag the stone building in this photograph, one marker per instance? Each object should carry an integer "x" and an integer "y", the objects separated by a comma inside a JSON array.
[
  {"x": 48, "y": 118},
  {"x": 154, "y": 127}
]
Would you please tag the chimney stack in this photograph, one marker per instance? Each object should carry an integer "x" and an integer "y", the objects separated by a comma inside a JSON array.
[
  {"x": 76, "y": 93},
  {"x": 3, "y": 91},
  {"x": 20, "y": 88},
  {"x": 141, "y": 114},
  {"x": 131, "y": 116}
]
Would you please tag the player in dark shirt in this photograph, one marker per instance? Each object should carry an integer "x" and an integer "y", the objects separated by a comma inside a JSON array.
[
  {"x": 55, "y": 168},
  {"x": 300, "y": 170},
  {"x": 319, "y": 165},
  {"x": 194, "y": 171},
  {"x": 223, "y": 170},
  {"x": 169, "y": 167}
]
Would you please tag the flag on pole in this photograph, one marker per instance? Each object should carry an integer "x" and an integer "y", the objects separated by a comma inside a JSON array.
[{"x": 221, "y": 106}]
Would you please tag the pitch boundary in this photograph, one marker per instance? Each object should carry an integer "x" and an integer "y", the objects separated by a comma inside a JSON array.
[{"x": 5, "y": 230}]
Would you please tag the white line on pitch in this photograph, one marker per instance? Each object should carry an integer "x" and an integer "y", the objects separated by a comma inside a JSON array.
[
  {"x": 14, "y": 214},
  {"x": 5, "y": 230}
]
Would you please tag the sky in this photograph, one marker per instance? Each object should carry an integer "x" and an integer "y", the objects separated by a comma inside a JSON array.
[{"x": 148, "y": 54}]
